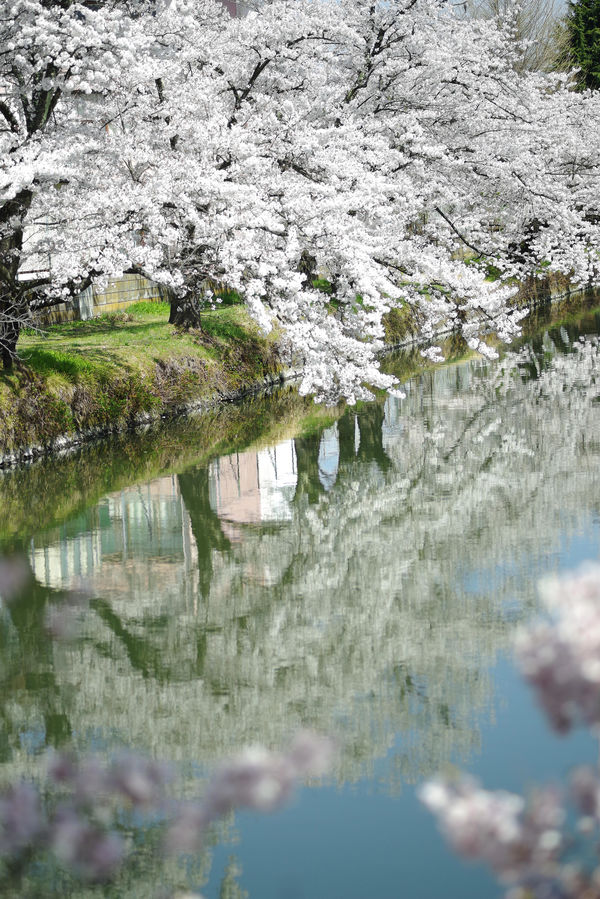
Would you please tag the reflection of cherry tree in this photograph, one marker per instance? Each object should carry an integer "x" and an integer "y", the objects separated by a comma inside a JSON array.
[
  {"x": 404, "y": 612},
  {"x": 373, "y": 619},
  {"x": 497, "y": 450}
]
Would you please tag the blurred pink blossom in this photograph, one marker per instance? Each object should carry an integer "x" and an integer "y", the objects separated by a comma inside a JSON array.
[
  {"x": 63, "y": 619},
  {"x": 21, "y": 818},
  {"x": 257, "y": 779},
  {"x": 91, "y": 792},
  {"x": 528, "y": 842},
  {"x": 140, "y": 780},
  {"x": 93, "y": 853},
  {"x": 498, "y": 828},
  {"x": 561, "y": 658}
]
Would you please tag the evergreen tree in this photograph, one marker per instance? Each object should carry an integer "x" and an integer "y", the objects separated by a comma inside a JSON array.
[{"x": 583, "y": 28}]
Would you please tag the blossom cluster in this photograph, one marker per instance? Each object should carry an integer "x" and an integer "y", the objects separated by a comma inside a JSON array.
[
  {"x": 517, "y": 840},
  {"x": 391, "y": 151},
  {"x": 256, "y": 779},
  {"x": 73, "y": 826},
  {"x": 77, "y": 822},
  {"x": 527, "y": 844}
]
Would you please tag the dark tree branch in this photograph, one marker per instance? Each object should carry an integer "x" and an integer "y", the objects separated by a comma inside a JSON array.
[
  {"x": 471, "y": 246},
  {"x": 10, "y": 117}
]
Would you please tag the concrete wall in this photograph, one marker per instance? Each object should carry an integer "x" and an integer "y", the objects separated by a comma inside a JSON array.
[{"x": 117, "y": 295}]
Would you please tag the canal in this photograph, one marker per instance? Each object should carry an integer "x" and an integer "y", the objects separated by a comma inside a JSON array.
[{"x": 272, "y": 567}]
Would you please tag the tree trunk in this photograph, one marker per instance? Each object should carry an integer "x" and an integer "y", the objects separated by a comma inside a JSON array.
[
  {"x": 13, "y": 305},
  {"x": 185, "y": 312},
  {"x": 9, "y": 334}
]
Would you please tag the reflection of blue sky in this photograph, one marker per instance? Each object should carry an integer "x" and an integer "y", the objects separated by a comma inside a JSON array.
[
  {"x": 570, "y": 551},
  {"x": 329, "y": 456},
  {"x": 325, "y": 846}
]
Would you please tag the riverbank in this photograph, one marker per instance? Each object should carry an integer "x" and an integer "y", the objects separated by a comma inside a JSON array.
[{"x": 79, "y": 381}]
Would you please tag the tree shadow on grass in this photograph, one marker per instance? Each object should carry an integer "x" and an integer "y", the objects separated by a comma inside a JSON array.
[
  {"x": 74, "y": 362},
  {"x": 69, "y": 330},
  {"x": 10, "y": 379}
]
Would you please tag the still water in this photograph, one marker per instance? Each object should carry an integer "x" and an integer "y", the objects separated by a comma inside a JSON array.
[{"x": 268, "y": 568}]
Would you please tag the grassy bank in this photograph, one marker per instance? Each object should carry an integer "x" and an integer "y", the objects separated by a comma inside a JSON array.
[
  {"x": 117, "y": 370},
  {"x": 109, "y": 372}
]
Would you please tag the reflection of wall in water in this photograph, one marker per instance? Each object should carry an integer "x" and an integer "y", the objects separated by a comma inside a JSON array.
[
  {"x": 329, "y": 456},
  {"x": 141, "y": 538},
  {"x": 126, "y": 534},
  {"x": 254, "y": 486}
]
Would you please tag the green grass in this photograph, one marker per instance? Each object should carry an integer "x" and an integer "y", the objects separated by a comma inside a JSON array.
[
  {"x": 150, "y": 307},
  {"x": 130, "y": 340}
]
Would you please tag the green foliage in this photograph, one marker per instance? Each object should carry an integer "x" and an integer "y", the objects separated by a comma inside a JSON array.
[
  {"x": 583, "y": 40},
  {"x": 150, "y": 307},
  {"x": 228, "y": 297},
  {"x": 400, "y": 324},
  {"x": 323, "y": 285},
  {"x": 492, "y": 272}
]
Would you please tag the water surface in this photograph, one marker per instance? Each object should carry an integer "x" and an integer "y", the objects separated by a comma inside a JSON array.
[{"x": 361, "y": 573}]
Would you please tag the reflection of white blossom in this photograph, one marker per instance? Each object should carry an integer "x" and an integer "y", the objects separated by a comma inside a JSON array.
[{"x": 376, "y": 608}]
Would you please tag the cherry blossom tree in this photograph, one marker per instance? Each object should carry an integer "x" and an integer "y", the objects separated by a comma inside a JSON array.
[
  {"x": 536, "y": 24},
  {"x": 53, "y": 55},
  {"x": 389, "y": 153}
]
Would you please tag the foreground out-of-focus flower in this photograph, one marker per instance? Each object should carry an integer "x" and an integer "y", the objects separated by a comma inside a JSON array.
[
  {"x": 528, "y": 842},
  {"x": 14, "y": 577},
  {"x": 257, "y": 779},
  {"x": 141, "y": 781},
  {"x": 92, "y": 853},
  {"x": 132, "y": 777},
  {"x": 87, "y": 794},
  {"x": 585, "y": 791},
  {"x": 63, "y": 618},
  {"x": 561, "y": 658},
  {"x": 498, "y": 828},
  {"x": 21, "y": 818}
]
